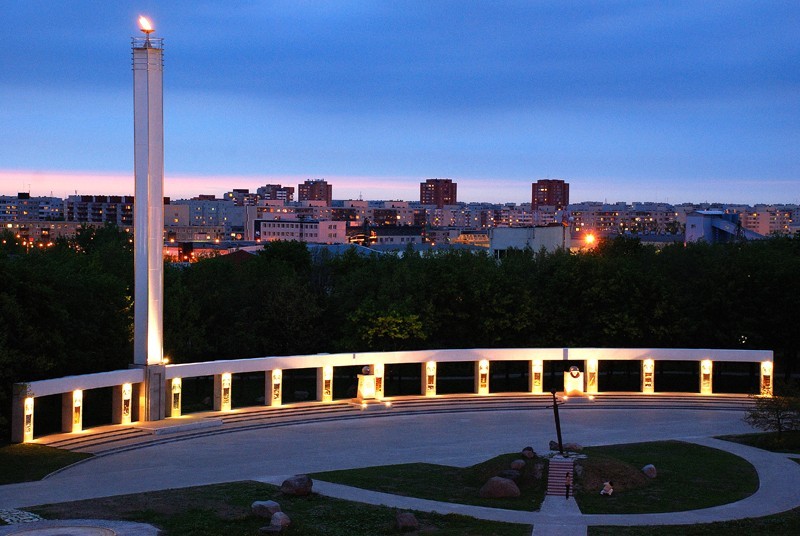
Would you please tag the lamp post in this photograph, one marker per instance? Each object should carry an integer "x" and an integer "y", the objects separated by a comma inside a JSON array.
[{"x": 558, "y": 421}]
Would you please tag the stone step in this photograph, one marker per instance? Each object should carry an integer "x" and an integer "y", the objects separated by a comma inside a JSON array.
[{"x": 556, "y": 474}]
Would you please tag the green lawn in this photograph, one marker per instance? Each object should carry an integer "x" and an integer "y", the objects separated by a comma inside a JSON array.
[
  {"x": 785, "y": 523},
  {"x": 772, "y": 441},
  {"x": 445, "y": 483},
  {"x": 225, "y": 509},
  {"x": 689, "y": 477},
  {"x": 26, "y": 462}
]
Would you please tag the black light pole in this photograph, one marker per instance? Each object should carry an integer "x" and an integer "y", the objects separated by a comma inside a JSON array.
[{"x": 558, "y": 422}]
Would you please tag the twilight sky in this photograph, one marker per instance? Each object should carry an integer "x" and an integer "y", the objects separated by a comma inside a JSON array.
[{"x": 676, "y": 101}]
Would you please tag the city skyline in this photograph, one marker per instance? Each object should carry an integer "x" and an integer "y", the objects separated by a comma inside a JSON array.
[{"x": 626, "y": 102}]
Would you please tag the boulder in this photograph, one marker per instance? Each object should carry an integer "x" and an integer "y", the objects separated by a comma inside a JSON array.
[
  {"x": 511, "y": 474},
  {"x": 649, "y": 470},
  {"x": 406, "y": 522},
  {"x": 518, "y": 465},
  {"x": 498, "y": 487},
  {"x": 554, "y": 445},
  {"x": 277, "y": 524},
  {"x": 279, "y": 519},
  {"x": 578, "y": 470},
  {"x": 265, "y": 508},
  {"x": 298, "y": 485},
  {"x": 528, "y": 452},
  {"x": 573, "y": 447}
]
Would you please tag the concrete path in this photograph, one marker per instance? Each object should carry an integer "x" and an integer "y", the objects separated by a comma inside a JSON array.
[
  {"x": 779, "y": 491},
  {"x": 452, "y": 439}
]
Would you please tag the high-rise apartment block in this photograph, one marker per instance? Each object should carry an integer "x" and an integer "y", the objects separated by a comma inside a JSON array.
[
  {"x": 23, "y": 207},
  {"x": 116, "y": 209},
  {"x": 315, "y": 190},
  {"x": 764, "y": 219},
  {"x": 550, "y": 192},
  {"x": 439, "y": 192},
  {"x": 242, "y": 197},
  {"x": 276, "y": 192}
]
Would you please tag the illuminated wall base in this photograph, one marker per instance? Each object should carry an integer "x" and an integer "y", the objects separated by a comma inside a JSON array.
[
  {"x": 223, "y": 391},
  {"x": 366, "y": 387},
  {"x": 706, "y": 377},
  {"x": 72, "y": 411},
  {"x": 766, "y": 378},
  {"x": 648, "y": 376},
  {"x": 482, "y": 377},
  {"x": 273, "y": 389},
  {"x": 123, "y": 401},
  {"x": 591, "y": 368},
  {"x": 378, "y": 371},
  {"x": 325, "y": 384},
  {"x": 429, "y": 378},
  {"x": 176, "y": 395},
  {"x": 537, "y": 377},
  {"x": 573, "y": 383}
]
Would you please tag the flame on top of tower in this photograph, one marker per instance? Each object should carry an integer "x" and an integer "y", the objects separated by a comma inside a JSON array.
[{"x": 145, "y": 26}]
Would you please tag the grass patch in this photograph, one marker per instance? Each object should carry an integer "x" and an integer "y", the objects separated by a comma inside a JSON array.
[
  {"x": 689, "y": 477},
  {"x": 26, "y": 462},
  {"x": 225, "y": 509},
  {"x": 785, "y": 523},
  {"x": 785, "y": 442},
  {"x": 447, "y": 484}
]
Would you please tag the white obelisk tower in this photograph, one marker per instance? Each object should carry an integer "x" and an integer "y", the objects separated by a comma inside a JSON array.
[{"x": 148, "y": 121}]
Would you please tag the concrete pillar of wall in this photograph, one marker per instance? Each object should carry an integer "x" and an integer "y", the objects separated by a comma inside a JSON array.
[
  {"x": 766, "y": 378},
  {"x": 591, "y": 368},
  {"x": 176, "y": 395},
  {"x": 429, "y": 378},
  {"x": 72, "y": 411},
  {"x": 21, "y": 414},
  {"x": 273, "y": 387},
  {"x": 325, "y": 383},
  {"x": 379, "y": 371},
  {"x": 153, "y": 393},
  {"x": 648, "y": 376},
  {"x": 706, "y": 377},
  {"x": 482, "y": 377},
  {"x": 122, "y": 404},
  {"x": 536, "y": 377},
  {"x": 223, "y": 389}
]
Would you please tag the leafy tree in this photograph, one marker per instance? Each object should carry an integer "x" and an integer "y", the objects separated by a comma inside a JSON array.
[{"x": 778, "y": 413}]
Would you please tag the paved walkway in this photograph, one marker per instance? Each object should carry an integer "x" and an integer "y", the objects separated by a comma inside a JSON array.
[
  {"x": 453, "y": 439},
  {"x": 779, "y": 491}
]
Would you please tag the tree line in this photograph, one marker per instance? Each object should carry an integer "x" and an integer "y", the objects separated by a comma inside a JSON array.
[{"x": 68, "y": 309}]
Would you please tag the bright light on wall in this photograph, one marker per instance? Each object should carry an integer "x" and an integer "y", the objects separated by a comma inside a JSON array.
[
  {"x": 176, "y": 388},
  {"x": 77, "y": 410},
  {"x": 537, "y": 367},
  {"x": 706, "y": 380},
  {"x": 127, "y": 393},
  {"x": 429, "y": 381},
  {"x": 766, "y": 378},
  {"x": 226, "y": 381},
  {"x": 648, "y": 376},
  {"x": 28, "y": 409}
]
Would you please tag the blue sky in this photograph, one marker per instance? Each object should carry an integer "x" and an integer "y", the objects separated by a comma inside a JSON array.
[{"x": 626, "y": 100}]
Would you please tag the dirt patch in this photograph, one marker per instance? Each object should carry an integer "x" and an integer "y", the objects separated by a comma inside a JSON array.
[{"x": 599, "y": 469}]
